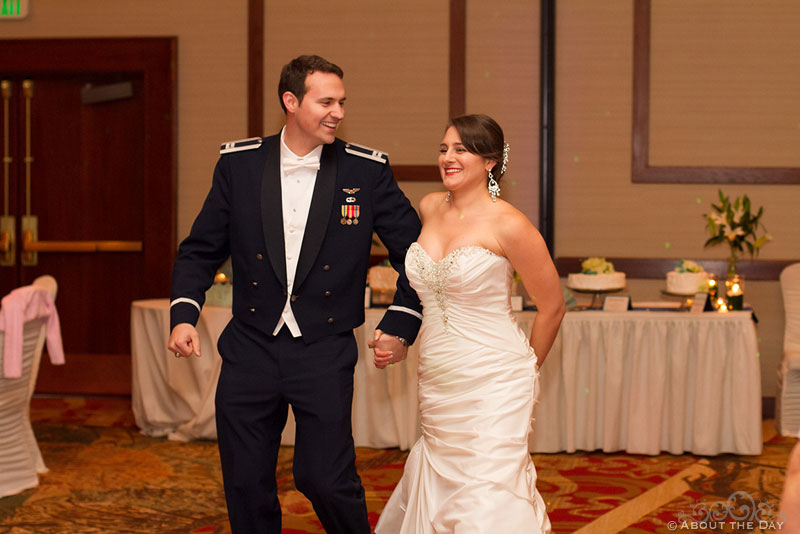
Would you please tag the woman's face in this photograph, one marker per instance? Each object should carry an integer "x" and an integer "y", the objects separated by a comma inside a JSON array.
[{"x": 458, "y": 166}]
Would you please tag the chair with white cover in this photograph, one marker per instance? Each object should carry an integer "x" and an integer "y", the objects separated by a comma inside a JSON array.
[
  {"x": 787, "y": 404},
  {"x": 20, "y": 458}
]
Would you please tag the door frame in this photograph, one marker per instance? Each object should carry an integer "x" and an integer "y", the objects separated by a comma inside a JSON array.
[{"x": 156, "y": 59}]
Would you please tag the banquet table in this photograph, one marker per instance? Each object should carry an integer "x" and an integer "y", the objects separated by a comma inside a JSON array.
[
  {"x": 174, "y": 397},
  {"x": 636, "y": 381}
]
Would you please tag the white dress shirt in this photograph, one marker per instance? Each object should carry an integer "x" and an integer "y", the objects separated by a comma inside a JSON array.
[{"x": 297, "y": 188}]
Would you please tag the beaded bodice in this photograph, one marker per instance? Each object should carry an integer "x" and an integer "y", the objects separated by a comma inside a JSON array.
[{"x": 469, "y": 280}]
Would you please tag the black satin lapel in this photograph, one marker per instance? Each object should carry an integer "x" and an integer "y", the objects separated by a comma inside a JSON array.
[
  {"x": 319, "y": 214},
  {"x": 272, "y": 209}
]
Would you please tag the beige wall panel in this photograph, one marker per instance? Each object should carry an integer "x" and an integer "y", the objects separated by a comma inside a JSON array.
[
  {"x": 597, "y": 209},
  {"x": 212, "y": 70},
  {"x": 503, "y": 82},
  {"x": 395, "y": 61},
  {"x": 725, "y": 76},
  {"x": 599, "y": 212}
]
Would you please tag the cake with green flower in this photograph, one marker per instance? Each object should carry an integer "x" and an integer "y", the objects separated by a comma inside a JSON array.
[
  {"x": 596, "y": 274},
  {"x": 687, "y": 278}
]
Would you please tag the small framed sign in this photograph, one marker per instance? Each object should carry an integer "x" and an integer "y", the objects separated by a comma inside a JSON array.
[
  {"x": 701, "y": 303},
  {"x": 617, "y": 304}
]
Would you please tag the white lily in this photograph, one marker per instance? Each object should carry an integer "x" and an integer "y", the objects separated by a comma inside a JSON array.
[
  {"x": 731, "y": 233},
  {"x": 718, "y": 219}
]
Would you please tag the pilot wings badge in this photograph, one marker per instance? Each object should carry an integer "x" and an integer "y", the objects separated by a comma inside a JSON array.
[{"x": 351, "y": 191}]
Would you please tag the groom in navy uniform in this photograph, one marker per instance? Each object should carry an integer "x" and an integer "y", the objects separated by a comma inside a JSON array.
[{"x": 296, "y": 213}]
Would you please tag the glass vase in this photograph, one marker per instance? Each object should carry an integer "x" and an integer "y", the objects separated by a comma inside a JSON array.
[
  {"x": 732, "y": 264},
  {"x": 734, "y": 291}
]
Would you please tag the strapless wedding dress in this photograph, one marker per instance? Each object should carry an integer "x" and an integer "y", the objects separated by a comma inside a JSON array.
[{"x": 470, "y": 472}]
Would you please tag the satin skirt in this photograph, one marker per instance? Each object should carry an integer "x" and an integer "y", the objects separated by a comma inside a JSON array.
[{"x": 470, "y": 472}]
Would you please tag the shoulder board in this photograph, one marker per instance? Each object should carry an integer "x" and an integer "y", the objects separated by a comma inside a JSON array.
[
  {"x": 238, "y": 146},
  {"x": 366, "y": 152}
]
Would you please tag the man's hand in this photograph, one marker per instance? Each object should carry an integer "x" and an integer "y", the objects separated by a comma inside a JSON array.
[
  {"x": 388, "y": 349},
  {"x": 183, "y": 341}
]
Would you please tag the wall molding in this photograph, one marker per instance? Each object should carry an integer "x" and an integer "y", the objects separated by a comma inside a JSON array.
[
  {"x": 255, "y": 68},
  {"x": 457, "y": 84},
  {"x": 641, "y": 170}
]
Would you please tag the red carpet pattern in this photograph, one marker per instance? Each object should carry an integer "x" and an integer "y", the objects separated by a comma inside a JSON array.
[{"x": 106, "y": 477}]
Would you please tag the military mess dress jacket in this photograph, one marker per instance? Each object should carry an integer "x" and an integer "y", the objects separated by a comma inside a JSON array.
[{"x": 354, "y": 194}]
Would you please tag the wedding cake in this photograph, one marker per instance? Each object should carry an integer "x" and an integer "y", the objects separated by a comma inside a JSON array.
[
  {"x": 596, "y": 274},
  {"x": 687, "y": 278}
]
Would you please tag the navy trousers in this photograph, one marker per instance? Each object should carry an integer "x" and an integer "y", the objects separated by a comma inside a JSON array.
[{"x": 261, "y": 376}]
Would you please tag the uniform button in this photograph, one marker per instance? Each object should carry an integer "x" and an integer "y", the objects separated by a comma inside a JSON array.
[
  {"x": 259, "y": 256},
  {"x": 328, "y": 293},
  {"x": 326, "y": 267},
  {"x": 330, "y": 320},
  {"x": 255, "y": 284},
  {"x": 294, "y": 298},
  {"x": 252, "y": 310}
]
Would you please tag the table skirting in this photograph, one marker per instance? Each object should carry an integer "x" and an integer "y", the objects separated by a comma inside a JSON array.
[{"x": 641, "y": 382}]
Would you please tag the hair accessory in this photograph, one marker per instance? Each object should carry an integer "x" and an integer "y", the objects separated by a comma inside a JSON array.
[
  {"x": 506, "y": 148},
  {"x": 494, "y": 189}
]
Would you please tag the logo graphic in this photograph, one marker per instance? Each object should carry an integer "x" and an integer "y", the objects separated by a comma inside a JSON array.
[{"x": 739, "y": 513}]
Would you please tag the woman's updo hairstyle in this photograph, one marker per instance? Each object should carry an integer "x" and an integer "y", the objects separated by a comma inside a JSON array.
[{"x": 481, "y": 135}]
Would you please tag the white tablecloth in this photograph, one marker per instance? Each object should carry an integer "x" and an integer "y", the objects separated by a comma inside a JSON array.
[
  {"x": 646, "y": 382},
  {"x": 174, "y": 397},
  {"x": 642, "y": 382}
]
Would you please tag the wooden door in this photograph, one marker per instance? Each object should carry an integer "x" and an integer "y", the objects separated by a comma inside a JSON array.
[{"x": 89, "y": 136}]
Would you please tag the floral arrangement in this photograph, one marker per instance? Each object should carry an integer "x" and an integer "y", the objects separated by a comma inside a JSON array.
[
  {"x": 688, "y": 266},
  {"x": 733, "y": 223},
  {"x": 596, "y": 265}
]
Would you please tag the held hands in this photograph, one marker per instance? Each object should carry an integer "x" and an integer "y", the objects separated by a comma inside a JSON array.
[
  {"x": 183, "y": 341},
  {"x": 388, "y": 349}
]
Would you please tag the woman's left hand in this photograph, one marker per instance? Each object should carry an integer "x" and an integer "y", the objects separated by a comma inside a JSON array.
[{"x": 388, "y": 349}]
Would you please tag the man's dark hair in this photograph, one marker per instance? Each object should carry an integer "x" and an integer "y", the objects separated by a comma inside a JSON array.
[{"x": 294, "y": 73}]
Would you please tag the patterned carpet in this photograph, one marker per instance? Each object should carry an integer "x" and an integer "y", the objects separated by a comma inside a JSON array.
[{"x": 106, "y": 477}]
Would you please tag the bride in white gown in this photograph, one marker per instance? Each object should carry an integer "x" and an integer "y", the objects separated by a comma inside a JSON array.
[{"x": 470, "y": 472}]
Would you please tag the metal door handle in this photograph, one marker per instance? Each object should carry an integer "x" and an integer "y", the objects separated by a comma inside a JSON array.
[
  {"x": 31, "y": 245},
  {"x": 7, "y": 222}
]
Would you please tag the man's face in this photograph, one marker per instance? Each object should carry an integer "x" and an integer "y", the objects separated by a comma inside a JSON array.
[{"x": 318, "y": 115}]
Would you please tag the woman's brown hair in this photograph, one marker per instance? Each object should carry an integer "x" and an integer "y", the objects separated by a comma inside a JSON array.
[{"x": 481, "y": 135}]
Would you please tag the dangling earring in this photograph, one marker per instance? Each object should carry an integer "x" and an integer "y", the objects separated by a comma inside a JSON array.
[
  {"x": 494, "y": 189},
  {"x": 447, "y": 198}
]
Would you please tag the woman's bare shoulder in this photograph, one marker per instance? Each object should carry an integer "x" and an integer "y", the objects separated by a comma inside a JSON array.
[
  {"x": 431, "y": 202},
  {"x": 512, "y": 225}
]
